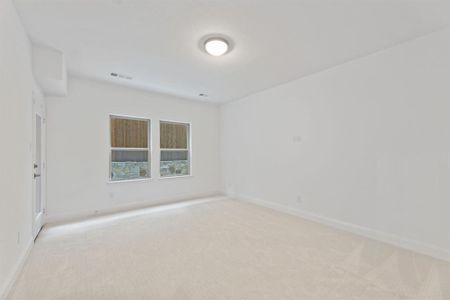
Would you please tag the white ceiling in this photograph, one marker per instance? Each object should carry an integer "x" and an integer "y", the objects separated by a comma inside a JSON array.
[{"x": 157, "y": 41}]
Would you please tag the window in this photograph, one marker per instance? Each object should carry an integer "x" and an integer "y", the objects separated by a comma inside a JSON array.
[
  {"x": 130, "y": 148},
  {"x": 175, "y": 149}
]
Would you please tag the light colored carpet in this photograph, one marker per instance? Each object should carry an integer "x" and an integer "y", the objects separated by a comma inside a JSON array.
[{"x": 221, "y": 249}]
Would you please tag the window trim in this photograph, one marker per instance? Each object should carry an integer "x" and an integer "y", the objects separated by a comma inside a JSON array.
[
  {"x": 189, "y": 148},
  {"x": 149, "y": 148}
]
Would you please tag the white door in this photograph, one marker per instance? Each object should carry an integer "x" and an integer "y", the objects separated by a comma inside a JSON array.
[{"x": 38, "y": 203}]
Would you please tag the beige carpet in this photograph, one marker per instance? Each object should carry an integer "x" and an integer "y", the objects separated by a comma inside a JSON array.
[{"x": 221, "y": 250}]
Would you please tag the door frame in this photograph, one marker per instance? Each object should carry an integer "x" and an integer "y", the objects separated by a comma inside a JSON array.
[{"x": 38, "y": 217}]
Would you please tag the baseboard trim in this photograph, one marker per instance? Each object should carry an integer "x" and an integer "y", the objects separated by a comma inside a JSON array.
[
  {"x": 15, "y": 272},
  {"x": 416, "y": 246},
  {"x": 82, "y": 215}
]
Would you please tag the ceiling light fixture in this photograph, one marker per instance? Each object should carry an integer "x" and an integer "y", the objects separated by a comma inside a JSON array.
[{"x": 216, "y": 46}]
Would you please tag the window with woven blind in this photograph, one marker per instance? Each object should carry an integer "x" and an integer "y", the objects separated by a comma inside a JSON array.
[
  {"x": 175, "y": 156},
  {"x": 130, "y": 148}
]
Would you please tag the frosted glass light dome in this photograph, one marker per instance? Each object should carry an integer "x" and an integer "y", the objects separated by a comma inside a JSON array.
[{"x": 216, "y": 46}]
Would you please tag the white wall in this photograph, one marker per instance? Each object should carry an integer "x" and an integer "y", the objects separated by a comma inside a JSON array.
[
  {"x": 374, "y": 149},
  {"x": 49, "y": 70},
  {"x": 16, "y": 89},
  {"x": 78, "y": 149}
]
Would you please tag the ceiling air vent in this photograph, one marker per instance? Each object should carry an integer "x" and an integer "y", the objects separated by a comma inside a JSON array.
[{"x": 122, "y": 76}]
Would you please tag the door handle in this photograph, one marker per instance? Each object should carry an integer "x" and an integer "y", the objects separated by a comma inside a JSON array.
[{"x": 36, "y": 175}]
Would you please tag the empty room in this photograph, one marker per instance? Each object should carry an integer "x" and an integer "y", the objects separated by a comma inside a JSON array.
[{"x": 225, "y": 150}]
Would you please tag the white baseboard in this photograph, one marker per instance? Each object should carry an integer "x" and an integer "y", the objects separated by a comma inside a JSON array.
[
  {"x": 81, "y": 215},
  {"x": 392, "y": 239},
  {"x": 6, "y": 289}
]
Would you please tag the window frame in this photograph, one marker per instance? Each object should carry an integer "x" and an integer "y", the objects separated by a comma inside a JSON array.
[
  {"x": 189, "y": 148},
  {"x": 149, "y": 147}
]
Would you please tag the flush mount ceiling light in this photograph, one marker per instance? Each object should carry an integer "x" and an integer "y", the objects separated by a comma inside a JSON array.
[{"x": 217, "y": 46}]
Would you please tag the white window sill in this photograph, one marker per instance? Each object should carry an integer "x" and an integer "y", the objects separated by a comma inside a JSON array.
[
  {"x": 172, "y": 177},
  {"x": 129, "y": 180}
]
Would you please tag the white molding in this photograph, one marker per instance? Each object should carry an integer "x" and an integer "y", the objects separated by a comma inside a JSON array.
[
  {"x": 82, "y": 215},
  {"x": 15, "y": 272},
  {"x": 413, "y": 245}
]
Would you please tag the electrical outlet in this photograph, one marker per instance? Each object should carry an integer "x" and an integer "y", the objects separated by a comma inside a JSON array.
[
  {"x": 297, "y": 139},
  {"x": 111, "y": 195},
  {"x": 299, "y": 199},
  {"x": 18, "y": 237},
  {"x": 230, "y": 190}
]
